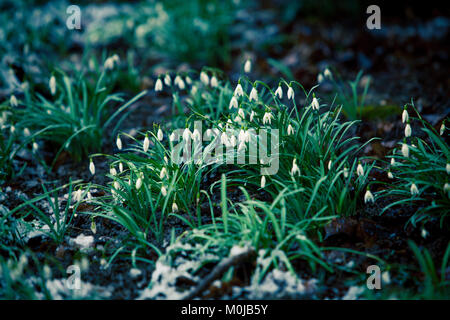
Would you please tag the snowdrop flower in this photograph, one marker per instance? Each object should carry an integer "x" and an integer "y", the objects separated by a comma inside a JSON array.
[
  {"x": 315, "y": 104},
  {"x": 414, "y": 189},
  {"x": 77, "y": 196},
  {"x": 119, "y": 143},
  {"x": 424, "y": 233},
  {"x": 167, "y": 80},
  {"x": 290, "y": 130},
  {"x": 194, "y": 90},
  {"x": 241, "y": 113},
  {"x": 405, "y": 116},
  {"x": 187, "y": 135},
  {"x": 360, "y": 169},
  {"x": 238, "y": 92},
  {"x": 109, "y": 64},
  {"x": 26, "y": 132},
  {"x": 172, "y": 136},
  {"x": 295, "y": 169},
  {"x": 163, "y": 173},
  {"x": 247, "y": 66},
  {"x": 52, "y": 85},
  {"x": 368, "y": 197},
  {"x": 390, "y": 175},
  {"x": 252, "y": 115},
  {"x": 91, "y": 167},
  {"x": 12, "y": 129},
  {"x": 174, "y": 207},
  {"x": 407, "y": 130},
  {"x": 392, "y": 162},
  {"x": 405, "y": 150},
  {"x": 253, "y": 94},
  {"x": 263, "y": 181},
  {"x": 13, "y": 101},
  {"x": 120, "y": 167},
  {"x": 446, "y": 187},
  {"x": 158, "y": 85},
  {"x": 160, "y": 135},
  {"x": 138, "y": 183},
  {"x": 345, "y": 172},
  {"x": 146, "y": 143},
  {"x": 233, "y": 103},
  {"x": 442, "y": 129},
  {"x": 188, "y": 80},
  {"x": 327, "y": 73},
  {"x": 163, "y": 191},
  {"x": 204, "y": 78},
  {"x": 279, "y": 92},
  {"x": 290, "y": 93},
  {"x": 329, "y": 164},
  {"x": 112, "y": 171},
  {"x": 35, "y": 146},
  {"x": 196, "y": 135},
  {"x": 214, "y": 82},
  {"x": 320, "y": 78},
  {"x": 447, "y": 168},
  {"x": 267, "y": 118}
]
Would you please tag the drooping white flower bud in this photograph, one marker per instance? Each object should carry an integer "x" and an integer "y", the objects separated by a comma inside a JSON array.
[
  {"x": 263, "y": 181},
  {"x": 329, "y": 164},
  {"x": 188, "y": 80},
  {"x": 158, "y": 85},
  {"x": 13, "y": 101},
  {"x": 290, "y": 93},
  {"x": 238, "y": 92},
  {"x": 295, "y": 169},
  {"x": 174, "y": 207},
  {"x": 204, "y": 78},
  {"x": 233, "y": 103},
  {"x": 405, "y": 116},
  {"x": 315, "y": 104},
  {"x": 112, "y": 171},
  {"x": 346, "y": 172},
  {"x": 407, "y": 131},
  {"x": 138, "y": 183},
  {"x": 414, "y": 190},
  {"x": 146, "y": 144},
  {"x": 26, "y": 132},
  {"x": 267, "y": 118},
  {"x": 390, "y": 175},
  {"x": 253, "y": 94},
  {"x": 91, "y": 167},
  {"x": 163, "y": 191},
  {"x": 320, "y": 78},
  {"x": 405, "y": 150},
  {"x": 447, "y": 187},
  {"x": 163, "y": 173},
  {"x": 368, "y": 197},
  {"x": 35, "y": 147},
  {"x": 247, "y": 66},
  {"x": 279, "y": 92},
  {"x": 241, "y": 113},
  {"x": 214, "y": 82},
  {"x": 392, "y": 162},
  {"x": 442, "y": 129},
  {"x": 252, "y": 115},
  {"x": 327, "y": 73},
  {"x": 120, "y": 167},
  {"x": 160, "y": 135},
  {"x": 447, "y": 168},
  {"x": 360, "y": 169},
  {"x": 119, "y": 143},
  {"x": 290, "y": 130},
  {"x": 52, "y": 85}
]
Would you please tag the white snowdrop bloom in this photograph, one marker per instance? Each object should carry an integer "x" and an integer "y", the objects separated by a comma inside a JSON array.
[
  {"x": 119, "y": 143},
  {"x": 138, "y": 183},
  {"x": 112, "y": 171},
  {"x": 177, "y": 79},
  {"x": 405, "y": 116},
  {"x": 424, "y": 233},
  {"x": 174, "y": 207},
  {"x": 360, "y": 169},
  {"x": 446, "y": 187},
  {"x": 194, "y": 90},
  {"x": 76, "y": 197},
  {"x": 26, "y": 132},
  {"x": 290, "y": 93},
  {"x": 92, "y": 167},
  {"x": 346, "y": 172},
  {"x": 327, "y": 73},
  {"x": 172, "y": 136},
  {"x": 392, "y": 162},
  {"x": 315, "y": 104},
  {"x": 233, "y": 141},
  {"x": 279, "y": 92},
  {"x": 163, "y": 190},
  {"x": 224, "y": 138},
  {"x": 447, "y": 168},
  {"x": 253, "y": 94},
  {"x": 188, "y": 80},
  {"x": 196, "y": 135},
  {"x": 115, "y": 58},
  {"x": 160, "y": 134},
  {"x": 414, "y": 190},
  {"x": 247, "y": 66},
  {"x": 52, "y": 85},
  {"x": 13, "y": 101},
  {"x": 241, "y": 113},
  {"x": 408, "y": 131},
  {"x": 167, "y": 80},
  {"x": 267, "y": 118},
  {"x": 214, "y": 82},
  {"x": 158, "y": 85},
  {"x": 405, "y": 150},
  {"x": 12, "y": 129},
  {"x": 146, "y": 144},
  {"x": 120, "y": 167},
  {"x": 237, "y": 119},
  {"x": 263, "y": 181},
  {"x": 35, "y": 146},
  {"x": 295, "y": 169},
  {"x": 238, "y": 92},
  {"x": 204, "y": 78},
  {"x": 390, "y": 175},
  {"x": 442, "y": 130},
  {"x": 252, "y": 115},
  {"x": 233, "y": 103},
  {"x": 109, "y": 64},
  {"x": 179, "y": 82},
  {"x": 187, "y": 134},
  {"x": 320, "y": 78},
  {"x": 163, "y": 173},
  {"x": 329, "y": 164},
  {"x": 368, "y": 197},
  {"x": 290, "y": 130}
]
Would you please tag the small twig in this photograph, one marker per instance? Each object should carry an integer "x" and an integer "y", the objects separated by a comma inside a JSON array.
[{"x": 218, "y": 271}]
